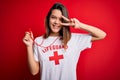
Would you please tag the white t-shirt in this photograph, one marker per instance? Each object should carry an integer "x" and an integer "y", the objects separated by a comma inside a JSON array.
[{"x": 57, "y": 63}]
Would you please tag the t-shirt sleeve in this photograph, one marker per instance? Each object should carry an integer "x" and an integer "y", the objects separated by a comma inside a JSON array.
[
  {"x": 86, "y": 41},
  {"x": 35, "y": 51},
  {"x": 83, "y": 41}
]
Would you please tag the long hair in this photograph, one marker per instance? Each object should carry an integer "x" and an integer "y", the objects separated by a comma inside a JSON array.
[{"x": 65, "y": 30}]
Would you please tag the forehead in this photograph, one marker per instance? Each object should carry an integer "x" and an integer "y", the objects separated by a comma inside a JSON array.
[{"x": 56, "y": 12}]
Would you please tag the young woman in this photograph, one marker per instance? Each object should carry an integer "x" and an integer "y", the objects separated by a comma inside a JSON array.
[{"x": 55, "y": 54}]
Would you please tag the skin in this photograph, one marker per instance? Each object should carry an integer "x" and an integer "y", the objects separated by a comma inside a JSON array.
[
  {"x": 55, "y": 22},
  {"x": 55, "y": 25}
]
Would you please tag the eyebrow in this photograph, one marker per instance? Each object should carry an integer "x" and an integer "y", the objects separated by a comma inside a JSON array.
[{"x": 56, "y": 16}]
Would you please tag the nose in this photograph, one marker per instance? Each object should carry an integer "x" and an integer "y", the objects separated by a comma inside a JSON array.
[{"x": 57, "y": 21}]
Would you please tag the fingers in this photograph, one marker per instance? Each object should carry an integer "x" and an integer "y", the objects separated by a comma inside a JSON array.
[
  {"x": 65, "y": 24},
  {"x": 66, "y": 19},
  {"x": 70, "y": 22},
  {"x": 27, "y": 36}
]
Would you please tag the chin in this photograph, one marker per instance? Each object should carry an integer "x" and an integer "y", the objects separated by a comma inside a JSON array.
[{"x": 55, "y": 31}]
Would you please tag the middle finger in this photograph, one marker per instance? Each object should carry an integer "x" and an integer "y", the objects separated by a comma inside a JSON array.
[{"x": 66, "y": 19}]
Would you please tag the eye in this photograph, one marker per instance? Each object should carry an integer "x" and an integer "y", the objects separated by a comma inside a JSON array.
[{"x": 53, "y": 17}]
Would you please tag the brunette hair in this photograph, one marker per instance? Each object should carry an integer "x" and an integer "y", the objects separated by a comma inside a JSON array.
[{"x": 65, "y": 31}]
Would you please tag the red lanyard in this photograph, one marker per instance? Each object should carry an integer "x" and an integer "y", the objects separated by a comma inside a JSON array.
[{"x": 44, "y": 40}]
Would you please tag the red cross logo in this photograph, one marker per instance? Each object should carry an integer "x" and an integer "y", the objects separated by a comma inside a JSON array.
[{"x": 56, "y": 58}]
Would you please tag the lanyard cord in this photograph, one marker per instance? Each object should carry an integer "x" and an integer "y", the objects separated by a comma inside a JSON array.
[{"x": 43, "y": 42}]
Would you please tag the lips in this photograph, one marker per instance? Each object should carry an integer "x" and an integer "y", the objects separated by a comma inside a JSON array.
[{"x": 56, "y": 27}]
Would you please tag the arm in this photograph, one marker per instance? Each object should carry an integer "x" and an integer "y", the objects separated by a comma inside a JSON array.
[
  {"x": 33, "y": 65},
  {"x": 97, "y": 34}
]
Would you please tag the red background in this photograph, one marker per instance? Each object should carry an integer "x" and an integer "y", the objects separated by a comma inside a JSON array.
[{"x": 101, "y": 62}]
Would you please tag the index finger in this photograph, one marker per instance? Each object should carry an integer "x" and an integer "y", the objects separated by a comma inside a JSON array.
[{"x": 66, "y": 19}]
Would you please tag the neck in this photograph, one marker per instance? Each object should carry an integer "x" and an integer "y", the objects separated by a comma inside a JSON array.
[{"x": 54, "y": 34}]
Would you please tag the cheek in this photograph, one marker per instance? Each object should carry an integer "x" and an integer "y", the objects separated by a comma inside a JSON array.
[{"x": 51, "y": 21}]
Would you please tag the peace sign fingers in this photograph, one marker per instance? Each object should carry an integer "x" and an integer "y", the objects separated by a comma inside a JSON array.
[
  {"x": 69, "y": 22},
  {"x": 66, "y": 24},
  {"x": 66, "y": 19}
]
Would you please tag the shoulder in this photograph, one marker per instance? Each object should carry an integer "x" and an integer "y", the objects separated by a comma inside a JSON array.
[
  {"x": 39, "y": 38},
  {"x": 79, "y": 35}
]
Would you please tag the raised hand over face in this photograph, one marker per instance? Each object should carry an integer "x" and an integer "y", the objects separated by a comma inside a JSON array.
[{"x": 71, "y": 22}]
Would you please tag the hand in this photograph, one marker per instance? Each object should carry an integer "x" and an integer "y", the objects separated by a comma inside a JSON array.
[
  {"x": 28, "y": 38},
  {"x": 71, "y": 22}
]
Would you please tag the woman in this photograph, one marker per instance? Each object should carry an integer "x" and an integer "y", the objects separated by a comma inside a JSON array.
[{"x": 55, "y": 54}]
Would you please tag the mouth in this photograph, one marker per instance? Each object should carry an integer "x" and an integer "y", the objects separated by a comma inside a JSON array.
[{"x": 56, "y": 26}]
